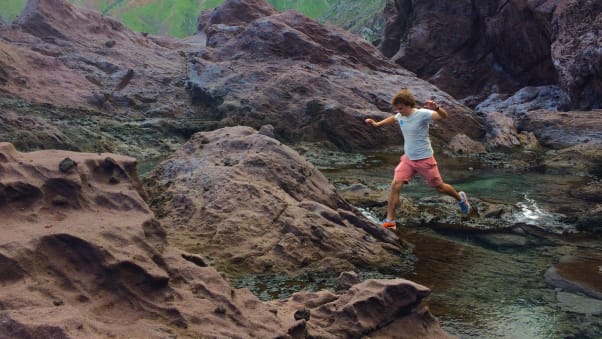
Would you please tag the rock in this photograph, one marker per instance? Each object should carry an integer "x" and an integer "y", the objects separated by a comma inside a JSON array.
[
  {"x": 346, "y": 280},
  {"x": 576, "y": 53},
  {"x": 489, "y": 47},
  {"x": 577, "y": 274},
  {"x": 256, "y": 206},
  {"x": 361, "y": 311},
  {"x": 524, "y": 100},
  {"x": 66, "y": 165},
  {"x": 574, "y": 303},
  {"x": 563, "y": 129},
  {"x": 503, "y": 135},
  {"x": 503, "y": 240},
  {"x": 302, "y": 313},
  {"x": 464, "y": 145},
  {"x": 310, "y": 67}
]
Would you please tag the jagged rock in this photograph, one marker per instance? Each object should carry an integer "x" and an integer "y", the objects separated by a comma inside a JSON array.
[
  {"x": 256, "y": 206},
  {"x": 359, "y": 311}
]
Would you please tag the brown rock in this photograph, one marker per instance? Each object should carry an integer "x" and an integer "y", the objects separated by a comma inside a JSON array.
[
  {"x": 580, "y": 274},
  {"x": 255, "y": 205}
]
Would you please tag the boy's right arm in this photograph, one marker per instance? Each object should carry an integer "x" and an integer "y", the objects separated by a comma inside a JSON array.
[{"x": 386, "y": 121}]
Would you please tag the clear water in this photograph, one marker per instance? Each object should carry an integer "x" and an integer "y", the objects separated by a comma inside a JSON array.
[{"x": 476, "y": 292}]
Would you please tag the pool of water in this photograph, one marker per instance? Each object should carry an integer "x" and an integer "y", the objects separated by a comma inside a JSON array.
[{"x": 477, "y": 292}]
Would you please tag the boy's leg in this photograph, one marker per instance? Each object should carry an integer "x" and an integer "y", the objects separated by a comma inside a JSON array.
[
  {"x": 449, "y": 190},
  {"x": 393, "y": 204}
]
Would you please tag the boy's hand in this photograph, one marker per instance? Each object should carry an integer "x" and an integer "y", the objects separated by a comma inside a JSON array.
[
  {"x": 431, "y": 104},
  {"x": 370, "y": 121}
]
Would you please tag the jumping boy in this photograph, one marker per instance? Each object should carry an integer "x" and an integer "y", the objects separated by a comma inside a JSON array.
[{"x": 418, "y": 157}]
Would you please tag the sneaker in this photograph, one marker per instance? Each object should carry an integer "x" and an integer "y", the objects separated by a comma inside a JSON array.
[
  {"x": 464, "y": 204},
  {"x": 389, "y": 224}
]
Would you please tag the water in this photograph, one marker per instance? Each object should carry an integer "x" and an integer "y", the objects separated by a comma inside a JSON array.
[{"x": 477, "y": 292}]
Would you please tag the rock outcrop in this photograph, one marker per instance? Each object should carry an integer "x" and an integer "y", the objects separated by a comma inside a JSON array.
[
  {"x": 253, "y": 205},
  {"x": 311, "y": 82},
  {"x": 472, "y": 49},
  {"x": 81, "y": 255}
]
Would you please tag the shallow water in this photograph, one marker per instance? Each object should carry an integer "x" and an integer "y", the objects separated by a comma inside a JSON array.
[{"x": 477, "y": 292}]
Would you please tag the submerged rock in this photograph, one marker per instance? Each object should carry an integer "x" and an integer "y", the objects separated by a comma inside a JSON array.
[{"x": 578, "y": 274}]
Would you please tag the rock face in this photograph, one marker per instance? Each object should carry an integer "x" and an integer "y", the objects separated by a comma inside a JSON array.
[
  {"x": 81, "y": 255},
  {"x": 311, "y": 82},
  {"x": 85, "y": 74},
  {"x": 253, "y": 205},
  {"x": 474, "y": 48}
]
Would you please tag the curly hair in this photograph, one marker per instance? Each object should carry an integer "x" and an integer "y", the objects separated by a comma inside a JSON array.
[{"x": 404, "y": 97}]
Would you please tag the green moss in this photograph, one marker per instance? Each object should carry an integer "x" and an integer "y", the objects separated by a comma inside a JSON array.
[{"x": 10, "y": 9}]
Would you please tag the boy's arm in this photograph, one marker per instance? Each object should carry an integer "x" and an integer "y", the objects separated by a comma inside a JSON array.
[{"x": 385, "y": 121}]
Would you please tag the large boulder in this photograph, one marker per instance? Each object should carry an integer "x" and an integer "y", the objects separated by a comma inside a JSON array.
[
  {"x": 253, "y": 205},
  {"x": 312, "y": 82}
]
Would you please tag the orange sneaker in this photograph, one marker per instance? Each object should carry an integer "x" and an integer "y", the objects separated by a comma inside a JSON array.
[{"x": 389, "y": 224}]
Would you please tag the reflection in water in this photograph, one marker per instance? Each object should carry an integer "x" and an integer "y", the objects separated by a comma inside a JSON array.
[{"x": 530, "y": 213}]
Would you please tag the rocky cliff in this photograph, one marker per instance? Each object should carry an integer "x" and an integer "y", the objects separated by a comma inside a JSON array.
[{"x": 472, "y": 49}]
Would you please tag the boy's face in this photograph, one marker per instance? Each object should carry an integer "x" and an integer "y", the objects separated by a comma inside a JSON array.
[{"x": 403, "y": 109}]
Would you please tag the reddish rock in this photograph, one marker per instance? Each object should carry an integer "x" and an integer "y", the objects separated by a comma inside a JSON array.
[
  {"x": 254, "y": 205},
  {"x": 98, "y": 264},
  {"x": 581, "y": 274},
  {"x": 357, "y": 312}
]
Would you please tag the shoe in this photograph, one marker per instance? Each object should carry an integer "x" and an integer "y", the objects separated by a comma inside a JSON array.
[
  {"x": 389, "y": 224},
  {"x": 464, "y": 204}
]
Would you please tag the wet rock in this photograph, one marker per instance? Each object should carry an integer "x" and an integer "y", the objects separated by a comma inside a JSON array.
[
  {"x": 346, "y": 280},
  {"x": 579, "y": 304},
  {"x": 577, "y": 274},
  {"x": 503, "y": 240},
  {"x": 256, "y": 206}
]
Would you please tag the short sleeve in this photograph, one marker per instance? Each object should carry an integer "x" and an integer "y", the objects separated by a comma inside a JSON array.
[{"x": 426, "y": 115}]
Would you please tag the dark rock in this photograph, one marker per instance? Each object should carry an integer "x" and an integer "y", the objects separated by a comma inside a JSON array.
[
  {"x": 66, "y": 165},
  {"x": 303, "y": 313},
  {"x": 110, "y": 43}
]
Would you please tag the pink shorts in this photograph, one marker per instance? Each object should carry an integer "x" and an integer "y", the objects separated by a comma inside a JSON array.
[{"x": 427, "y": 168}]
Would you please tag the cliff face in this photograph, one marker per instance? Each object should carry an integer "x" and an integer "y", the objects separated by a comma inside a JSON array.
[{"x": 474, "y": 48}]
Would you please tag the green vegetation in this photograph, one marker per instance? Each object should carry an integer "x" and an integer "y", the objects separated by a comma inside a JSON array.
[
  {"x": 178, "y": 17},
  {"x": 10, "y": 9}
]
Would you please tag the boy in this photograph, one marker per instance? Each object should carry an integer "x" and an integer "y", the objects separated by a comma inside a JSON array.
[{"x": 418, "y": 157}]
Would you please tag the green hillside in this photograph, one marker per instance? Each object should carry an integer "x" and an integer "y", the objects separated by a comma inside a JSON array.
[{"x": 178, "y": 17}]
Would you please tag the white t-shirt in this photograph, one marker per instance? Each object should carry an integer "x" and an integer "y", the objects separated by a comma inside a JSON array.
[{"x": 415, "y": 130}]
